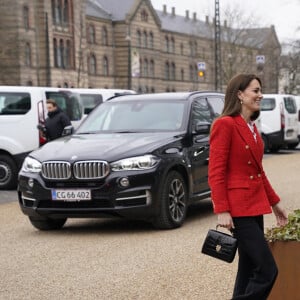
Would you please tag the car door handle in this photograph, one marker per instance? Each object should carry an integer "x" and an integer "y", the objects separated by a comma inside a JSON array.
[{"x": 200, "y": 151}]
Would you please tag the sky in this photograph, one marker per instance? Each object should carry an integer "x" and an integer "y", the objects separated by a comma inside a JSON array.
[{"x": 283, "y": 14}]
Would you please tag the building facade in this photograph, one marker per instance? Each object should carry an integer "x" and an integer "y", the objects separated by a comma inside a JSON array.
[{"x": 125, "y": 44}]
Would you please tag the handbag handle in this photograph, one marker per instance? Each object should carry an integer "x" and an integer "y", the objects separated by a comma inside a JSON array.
[{"x": 231, "y": 230}]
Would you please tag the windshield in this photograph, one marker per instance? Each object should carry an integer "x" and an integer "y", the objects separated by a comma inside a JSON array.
[{"x": 135, "y": 116}]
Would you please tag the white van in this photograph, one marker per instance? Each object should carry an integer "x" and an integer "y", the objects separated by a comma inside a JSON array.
[
  {"x": 279, "y": 121},
  {"x": 92, "y": 97},
  {"x": 298, "y": 113},
  {"x": 22, "y": 108}
]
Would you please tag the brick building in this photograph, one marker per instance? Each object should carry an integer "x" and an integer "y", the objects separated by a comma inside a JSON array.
[{"x": 124, "y": 44}]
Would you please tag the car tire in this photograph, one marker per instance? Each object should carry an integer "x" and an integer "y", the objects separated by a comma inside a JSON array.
[
  {"x": 8, "y": 173},
  {"x": 47, "y": 224},
  {"x": 173, "y": 202}
]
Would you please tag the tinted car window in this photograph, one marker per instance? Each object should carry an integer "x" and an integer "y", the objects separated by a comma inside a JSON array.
[
  {"x": 14, "y": 103},
  {"x": 267, "y": 104},
  {"x": 89, "y": 101},
  {"x": 69, "y": 103},
  {"x": 201, "y": 111},
  {"x": 290, "y": 105},
  {"x": 217, "y": 104},
  {"x": 135, "y": 116}
]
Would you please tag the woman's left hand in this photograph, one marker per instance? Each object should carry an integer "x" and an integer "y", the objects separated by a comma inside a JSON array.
[{"x": 281, "y": 214}]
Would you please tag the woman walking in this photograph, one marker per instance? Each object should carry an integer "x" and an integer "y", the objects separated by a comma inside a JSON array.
[{"x": 241, "y": 192}]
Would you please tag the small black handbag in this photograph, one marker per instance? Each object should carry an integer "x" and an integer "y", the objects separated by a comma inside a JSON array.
[{"x": 220, "y": 245}]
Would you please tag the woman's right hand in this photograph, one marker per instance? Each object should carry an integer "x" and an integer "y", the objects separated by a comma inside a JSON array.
[{"x": 225, "y": 220}]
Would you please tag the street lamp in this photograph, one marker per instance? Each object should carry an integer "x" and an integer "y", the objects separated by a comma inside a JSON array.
[{"x": 128, "y": 39}]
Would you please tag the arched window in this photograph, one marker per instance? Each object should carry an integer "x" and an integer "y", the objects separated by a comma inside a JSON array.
[
  {"x": 151, "y": 69},
  {"x": 27, "y": 55},
  {"x": 104, "y": 36},
  {"x": 144, "y": 15},
  {"x": 172, "y": 45},
  {"x": 139, "y": 38},
  {"x": 145, "y": 39},
  {"x": 167, "y": 71},
  {"x": 182, "y": 74},
  {"x": 61, "y": 54},
  {"x": 173, "y": 71},
  {"x": 26, "y": 17},
  {"x": 151, "y": 40},
  {"x": 91, "y": 34},
  {"x": 105, "y": 66},
  {"x": 55, "y": 50},
  {"x": 66, "y": 85},
  {"x": 92, "y": 64},
  {"x": 146, "y": 67},
  {"x": 68, "y": 55},
  {"x": 29, "y": 83},
  {"x": 58, "y": 12},
  {"x": 167, "y": 44}
]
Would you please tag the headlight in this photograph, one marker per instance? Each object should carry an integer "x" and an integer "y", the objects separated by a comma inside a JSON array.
[
  {"x": 31, "y": 165},
  {"x": 135, "y": 163}
]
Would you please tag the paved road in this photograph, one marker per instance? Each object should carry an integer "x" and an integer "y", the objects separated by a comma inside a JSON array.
[{"x": 114, "y": 259}]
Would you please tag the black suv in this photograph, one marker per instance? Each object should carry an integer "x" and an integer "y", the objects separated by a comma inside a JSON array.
[{"x": 135, "y": 156}]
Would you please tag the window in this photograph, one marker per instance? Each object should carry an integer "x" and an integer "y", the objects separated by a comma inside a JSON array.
[
  {"x": 181, "y": 49},
  {"x": 92, "y": 64},
  {"x": 139, "y": 38},
  {"x": 14, "y": 103},
  {"x": 172, "y": 45},
  {"x": 105, "y": 66},
  {"x": 167, "y": 71},
  {"x": 191, "y": 73},
  {"x": 144, "y": 16},
  {"x": 182, "y": 74},
  {"x": 66, "y": 13},
  {"x": 217, "y": 104},
  {"x": 167, "y": 44},
  {"x": 146, "y": 68},
  {"x": 104, "y": 36},
  {"x": 26, "y": 17},
  {"x": 267, "y": 104},
  {"x": 67, "y": 54},
  {"x": 145, "y": 39},
  {"x": 151, "y": 40},
  {"x": 151, "y": 69},
  {"x": 91, "y": 34},
  {"x": 290, "y": 105},
  {"x": 61, "y": 54},
  {"x": 27, "y": 55},
  {"x": 201, "y": 112},
  {"x": 173, "y": 71}
]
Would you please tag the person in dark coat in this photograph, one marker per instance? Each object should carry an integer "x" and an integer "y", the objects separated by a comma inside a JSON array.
[{"x": 56, "y": 122}]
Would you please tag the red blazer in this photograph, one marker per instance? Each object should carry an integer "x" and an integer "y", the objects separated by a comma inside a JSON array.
[{"x": 236, "y": 177}]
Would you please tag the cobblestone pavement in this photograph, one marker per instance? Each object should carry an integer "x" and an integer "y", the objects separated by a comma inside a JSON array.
[{"x": 118, "y": 259}]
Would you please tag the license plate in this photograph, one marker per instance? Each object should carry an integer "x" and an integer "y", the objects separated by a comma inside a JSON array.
[{"x": 71, "y": 194}]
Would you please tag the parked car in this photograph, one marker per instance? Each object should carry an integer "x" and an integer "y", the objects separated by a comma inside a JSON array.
[
  {"x": 298, "y": 112},
  {"x": 22, "y": 108},
  {"x": 134, "y": 156},
  {"x": 279, "y": 122}
]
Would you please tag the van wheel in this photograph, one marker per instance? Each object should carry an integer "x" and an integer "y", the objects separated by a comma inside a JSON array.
[
  {"x": 47, "y": 223},
  {"x": 173, "y": 202},
  {"x": 8, "y": 173}
]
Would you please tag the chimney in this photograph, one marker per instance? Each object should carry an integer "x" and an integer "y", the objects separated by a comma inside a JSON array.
[
  {"x": 165, "y": 9},
  {"x": 195, "y": 16},
  {"x": 173, "y": 11},
  {"x": 187, "y": 14},
  {"x": 207, "y": 19}
]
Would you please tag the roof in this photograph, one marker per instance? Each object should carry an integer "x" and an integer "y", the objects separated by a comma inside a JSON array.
[{"x": 117, "y": 10}]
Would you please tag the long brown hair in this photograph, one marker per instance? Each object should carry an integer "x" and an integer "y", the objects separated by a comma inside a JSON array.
[{"x": 232, "y": 105}]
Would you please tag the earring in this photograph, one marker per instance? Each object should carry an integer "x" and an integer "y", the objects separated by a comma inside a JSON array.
[{"x": 241, "y": 101}]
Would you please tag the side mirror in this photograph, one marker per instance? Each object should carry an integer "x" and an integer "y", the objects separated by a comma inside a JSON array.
[
  {"x": 68, "y": 130},
  {"x": 202, "y": 127}
]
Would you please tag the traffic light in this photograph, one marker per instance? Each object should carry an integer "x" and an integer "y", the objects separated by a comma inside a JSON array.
[{"x": 201, "y": 73}]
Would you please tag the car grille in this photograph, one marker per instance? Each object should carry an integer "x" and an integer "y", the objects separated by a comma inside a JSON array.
[
  {"x": 56, "y": 170},
  {"x": 90, "y": 169},
  {"x": 81, "y": 170}
]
